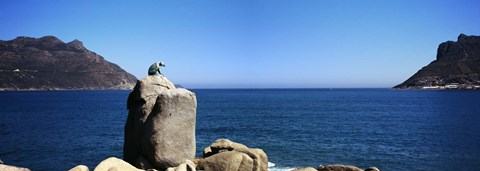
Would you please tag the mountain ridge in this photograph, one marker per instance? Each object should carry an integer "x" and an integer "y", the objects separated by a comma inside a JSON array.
[
  {"x": 47, "y": 63},
  {"x": 457, "y": 66}
]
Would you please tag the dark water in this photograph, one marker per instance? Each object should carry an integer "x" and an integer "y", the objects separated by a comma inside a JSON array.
[{"x": 392, "y": 130}]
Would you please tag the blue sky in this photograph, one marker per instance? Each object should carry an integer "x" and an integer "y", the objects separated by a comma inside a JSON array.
[{"x": 254, "y": 44}]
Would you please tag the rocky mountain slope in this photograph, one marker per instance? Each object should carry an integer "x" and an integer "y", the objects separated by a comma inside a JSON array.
[
  {"x": 457, "y": 67},
  {"x": 47, "y": 63}
]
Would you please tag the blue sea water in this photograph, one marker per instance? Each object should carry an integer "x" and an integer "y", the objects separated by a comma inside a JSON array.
[{"x": 389, "y": 129}]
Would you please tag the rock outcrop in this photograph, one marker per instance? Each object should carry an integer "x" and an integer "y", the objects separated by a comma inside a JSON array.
[
  {"x": 224, "y": 154},
  {"x": 47, "y": 63},
  {"x": 457, "y": 66},
  {"x": 160, "y": 128}
]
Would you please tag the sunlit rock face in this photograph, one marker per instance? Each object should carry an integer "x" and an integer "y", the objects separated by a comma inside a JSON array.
[{"x": 160, "y": 128}]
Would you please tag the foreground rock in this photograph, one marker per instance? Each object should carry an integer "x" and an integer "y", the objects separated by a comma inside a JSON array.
[
  {"x": 109, "y": 164},
  {"x": 457, "y": 67},
  {"x": 115, "y": 164},
  {"x": 160, "y": 128},
  {"x": 222, "y": 161},
  {"x": 48, "y": 63},
  {"x": 224, "y": 154},
  {"x": 4, "y": 167}
]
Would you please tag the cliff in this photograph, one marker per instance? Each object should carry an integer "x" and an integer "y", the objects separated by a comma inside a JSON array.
[
  {"x": 47, "y": 63},
  {"x": 457, "y": 67}
]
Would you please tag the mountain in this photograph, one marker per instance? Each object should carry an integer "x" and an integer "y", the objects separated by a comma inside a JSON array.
[
  {"x": 457, "y": 66},
  {"x": 47, "y": 63}
]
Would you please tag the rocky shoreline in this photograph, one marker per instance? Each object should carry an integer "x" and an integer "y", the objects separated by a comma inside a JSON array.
[{"x": 221, "y": 155}]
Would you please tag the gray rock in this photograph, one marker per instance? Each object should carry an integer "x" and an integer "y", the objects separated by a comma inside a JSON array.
[
  {"x": 140, "y": 103},
  {"x": 160, "y": 125},
  {"x": 169, "y": 131},
  {"x": 229, "y": 160},
  {"x": 259, "y": 157}
]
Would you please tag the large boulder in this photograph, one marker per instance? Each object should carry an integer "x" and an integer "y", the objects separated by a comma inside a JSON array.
[
  {"x": 169, "y": 132},
  {"x": 160, "y": 128},
  {"x": 224, "y": 153},
  {"x": 115, "y": 164},
  {"x": 229, "y": 160}
]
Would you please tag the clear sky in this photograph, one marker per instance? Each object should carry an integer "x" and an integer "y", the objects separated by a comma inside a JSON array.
[{"x": 254, "y": 43}]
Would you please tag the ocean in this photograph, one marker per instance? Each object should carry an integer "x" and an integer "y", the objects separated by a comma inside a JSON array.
[{"x": 388, "y": 129}]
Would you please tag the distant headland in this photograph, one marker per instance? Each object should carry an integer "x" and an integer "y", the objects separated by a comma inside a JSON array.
[
  {"x": 48, "y": 63},
  {"x": 457, "y": 67}
]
